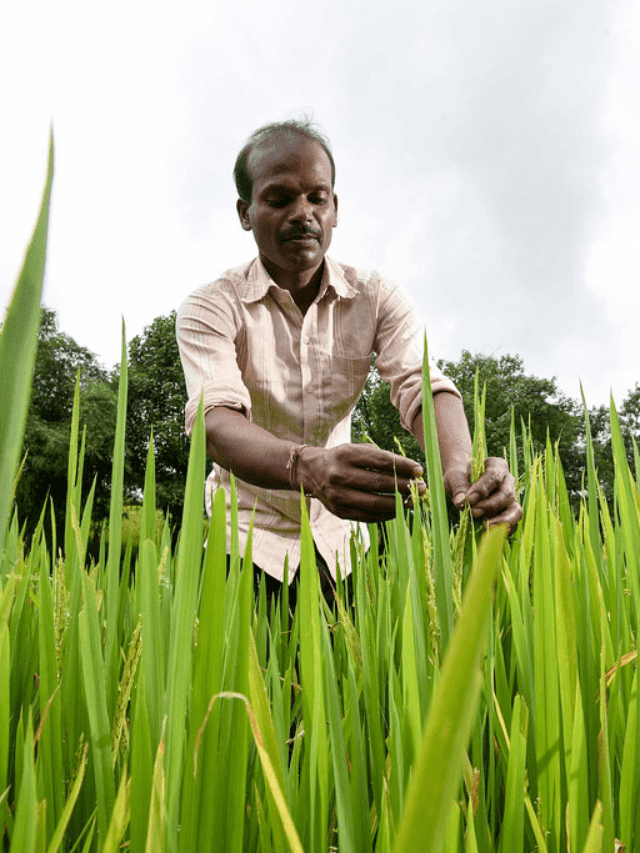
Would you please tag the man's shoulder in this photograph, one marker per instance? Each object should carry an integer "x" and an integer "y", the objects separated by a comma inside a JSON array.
[
  {"x": 230, "y": 279},
  {"x": 358, "y": 277},
  {"x": 369, "y": 283},
  {"x": 227, "y": 285}
]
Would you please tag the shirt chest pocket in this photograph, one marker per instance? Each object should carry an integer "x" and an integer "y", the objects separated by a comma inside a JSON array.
[{"x": 345, "y": 379}]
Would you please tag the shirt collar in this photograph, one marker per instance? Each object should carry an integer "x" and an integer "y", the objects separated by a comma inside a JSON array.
[{"x": 258, "y": 282}]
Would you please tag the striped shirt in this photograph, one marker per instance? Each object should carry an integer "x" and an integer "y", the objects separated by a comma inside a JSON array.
[{"x": 246, "y": 345}]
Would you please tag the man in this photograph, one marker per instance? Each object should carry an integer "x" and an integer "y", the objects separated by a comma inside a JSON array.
[{"x": 281, "y": 347}]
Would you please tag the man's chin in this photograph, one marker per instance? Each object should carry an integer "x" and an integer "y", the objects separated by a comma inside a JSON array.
[
  {"x": 293, "y": 262},
  {"x": 302, "y": 255}
]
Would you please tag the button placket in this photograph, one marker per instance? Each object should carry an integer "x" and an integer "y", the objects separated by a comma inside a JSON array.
[{"x": 307, "y": 356}]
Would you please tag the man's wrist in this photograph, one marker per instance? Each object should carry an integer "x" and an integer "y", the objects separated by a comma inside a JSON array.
[{"x": 292, "y": 465}]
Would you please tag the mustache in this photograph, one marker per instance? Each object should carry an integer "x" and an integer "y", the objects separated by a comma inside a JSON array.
[{"x": 299, "y": 231}]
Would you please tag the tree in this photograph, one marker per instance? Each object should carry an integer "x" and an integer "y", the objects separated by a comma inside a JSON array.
[
  {"x": 157, "y": 398},
  {"x": 59, "y": 360}
]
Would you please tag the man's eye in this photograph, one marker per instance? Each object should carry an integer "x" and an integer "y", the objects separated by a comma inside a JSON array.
[
  {"x": 277, "y": 202},
  {"x": 318, "y": 199}
]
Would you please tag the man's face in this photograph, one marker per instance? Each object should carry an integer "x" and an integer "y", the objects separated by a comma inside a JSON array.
[{"x": 293, "y": 207}]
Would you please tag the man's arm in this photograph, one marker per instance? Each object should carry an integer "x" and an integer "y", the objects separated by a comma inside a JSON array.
[
  {"x": 356, "y": 481},
  {"x": 493, "y": 495}
]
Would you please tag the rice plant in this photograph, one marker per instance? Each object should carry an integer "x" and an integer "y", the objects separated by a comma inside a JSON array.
[{"x": 480, "y": 695}]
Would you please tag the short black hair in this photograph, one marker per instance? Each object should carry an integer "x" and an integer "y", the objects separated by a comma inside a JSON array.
[{"x": 304, "y": 128}]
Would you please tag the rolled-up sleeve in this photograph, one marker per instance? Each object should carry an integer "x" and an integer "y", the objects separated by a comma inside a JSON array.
[
  {"x": 206, "y": 330},
  {"x": 400, "y": 347}
]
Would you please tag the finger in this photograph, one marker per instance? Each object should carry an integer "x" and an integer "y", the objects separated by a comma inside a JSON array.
[
  {"x": 375, "y": 482},
  {"x": 373, "y": 458},
  {"x": 510, "y": 516},
  {"x": 495, "y": 503},
  {"x": 458, "y": 487},
  {"x": 370, "y": 469},
  {"x": 496, "y": 478},
  {"x": 360, "y": 506}
]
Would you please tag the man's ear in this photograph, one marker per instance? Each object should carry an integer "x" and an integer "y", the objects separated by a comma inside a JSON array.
[
  {"x": 335, "y": 207},
  {"x": 243, "y": 213}
]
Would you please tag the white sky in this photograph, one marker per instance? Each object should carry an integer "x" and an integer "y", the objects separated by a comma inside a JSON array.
[{"x": 488, "y": 157}]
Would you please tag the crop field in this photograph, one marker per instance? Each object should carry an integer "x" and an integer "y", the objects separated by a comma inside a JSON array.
[{"x": 481, "y": 694}]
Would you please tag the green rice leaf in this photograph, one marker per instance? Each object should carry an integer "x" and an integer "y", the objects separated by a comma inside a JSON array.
[
  {"x": 119, "y": 818},
  {"x": 58, "y": 836},
  {"x": 96, "y": 698},
  {"x": 155, "y": 835},
  {"x": 112, "y": 651},
  {"x": 436, "y": 774},
  {"x": 23, "y": 836},
  {"x": 182, "y": 627},
  {"x": 512, "y": 831},
  {"x": 439, "y": 518},
  {"x": 18, "y": 343},
  {"x": 593, "y": 843}
]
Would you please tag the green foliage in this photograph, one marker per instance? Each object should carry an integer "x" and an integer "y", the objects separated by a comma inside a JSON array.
[
  {"x": 349, "y": 729},
  {"x": 157, "y": 398},
  {"x": 132, "y": 526},
  {"x": 59, "y": 362}
]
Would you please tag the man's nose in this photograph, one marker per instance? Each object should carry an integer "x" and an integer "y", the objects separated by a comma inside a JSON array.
[{"x": 301, "y": 210}]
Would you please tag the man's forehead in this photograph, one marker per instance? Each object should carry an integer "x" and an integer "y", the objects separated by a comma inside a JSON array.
[{"x": 279, "y": 153}]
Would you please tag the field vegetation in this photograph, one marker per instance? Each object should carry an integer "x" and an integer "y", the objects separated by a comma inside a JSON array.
[{"x": 480, "y": 695}]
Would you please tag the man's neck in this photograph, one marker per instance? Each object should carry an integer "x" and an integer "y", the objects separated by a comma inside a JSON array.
[{"x": 303, "y": 285}]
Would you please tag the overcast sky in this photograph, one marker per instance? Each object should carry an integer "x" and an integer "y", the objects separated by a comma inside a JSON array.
[{"x": 488, "y": 158}]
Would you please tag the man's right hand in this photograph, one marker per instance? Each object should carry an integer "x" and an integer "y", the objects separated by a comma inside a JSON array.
[{"x": 357, "y": 481}]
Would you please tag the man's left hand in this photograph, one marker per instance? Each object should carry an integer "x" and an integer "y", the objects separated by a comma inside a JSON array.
[{"x": 492, "y": 497}]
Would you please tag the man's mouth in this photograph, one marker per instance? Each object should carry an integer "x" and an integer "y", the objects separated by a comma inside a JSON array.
[{"x": 303, "y": 235}]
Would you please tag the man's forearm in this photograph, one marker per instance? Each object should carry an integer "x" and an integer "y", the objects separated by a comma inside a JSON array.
[
  {"x": 252, "y": 453},
  {"x": 454, "y": 439}
]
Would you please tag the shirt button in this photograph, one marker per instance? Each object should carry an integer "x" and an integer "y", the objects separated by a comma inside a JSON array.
[
  {"x": 305, "y": 340},
  {"x": 309, "y": 388}
]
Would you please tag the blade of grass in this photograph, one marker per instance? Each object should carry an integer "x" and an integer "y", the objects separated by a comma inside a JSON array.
[
  {"x": 316, "y": 757},
  {"x": 95, "y": 692},
  {"x": 547, "y": 692},
  {"x": 439, "y": 518},
  {"x": 265, "y": 738},
  {"x": 23, "y": 836},
  {"x": 437, "y": 770},
  {"x": 5, "y": 707},
  {"x": 512, "y": 831},
  {"x": 58, "y": 836},
  {"x": 50, "y": 743},
  {"x": 119, "y": 818},
  {"x": 593, "y": 843},
  {"x": 156, "y": 822},
  {"x": 182, "y": 627},
  {"x": 18, "y": 343},
  {"x": 112, "y": 655}
]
